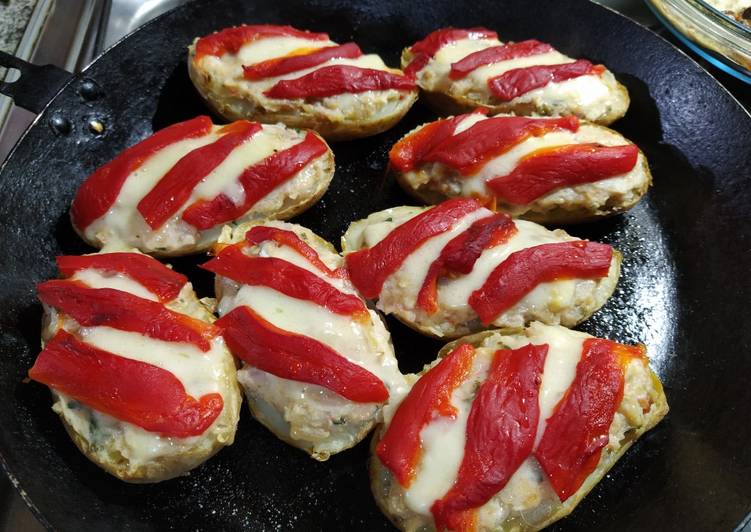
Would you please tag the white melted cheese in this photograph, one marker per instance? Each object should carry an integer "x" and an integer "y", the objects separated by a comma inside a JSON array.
[
  {"x": 443, "y": 441},
  {"x": 440, "y": 63},
  {"x": 564, "y": 353},
  {"x": 124, "y": 224},
  {"x": 198, "y": 372},
  {"x": 589, "y": 96},
  {"x": 117, "y": 281},
  {"x": 225, "y": 176},
  {"x": 351, "y": 339},
  {"x": 505, "y": 163},
  {"x": 410, "y": 276},
  {"x": 230, "y": 66},
  {"x": 267, "y": 48},
  {"x": 480, "y": 76},
  {"x": 454, "y": 293},
  {"x": 123, "y": 214}
]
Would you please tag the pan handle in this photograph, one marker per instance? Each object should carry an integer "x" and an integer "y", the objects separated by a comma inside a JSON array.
[{"x": 37, "y": 84}]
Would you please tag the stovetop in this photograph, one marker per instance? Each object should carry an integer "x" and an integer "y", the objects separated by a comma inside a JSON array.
[{"x": 71, "y": 33}]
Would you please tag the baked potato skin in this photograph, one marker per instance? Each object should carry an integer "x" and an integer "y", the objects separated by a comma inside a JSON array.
[
  {"x": 284, "y": 208},
  {"x": 324, "y": 423},
  {"x": 192, "y": 451},
  {"x": 389, "y": 494},
  {"x": 452, "y": 104},
  {"x": 430, "y": 190},
  {"x": 227, "y": 102}
]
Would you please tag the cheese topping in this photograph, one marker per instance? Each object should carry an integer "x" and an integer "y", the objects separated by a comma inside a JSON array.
[
  {"x": 363, "y": 343},
  {"x": 124, "y": 224},
  {"x": 443, "y": 439},
  {"x": 443, "y": 442},
  {"x": 411, "y": 274},
  {"x": 589, "y": 96},
  {"x": 198, "y": 372},
  {"x": 504, "y": 164},
  {"x": 229, "y": 67}
]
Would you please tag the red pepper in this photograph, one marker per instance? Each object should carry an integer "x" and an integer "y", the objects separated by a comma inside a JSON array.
[
  {"x": 161, "y": 281},
  {"x": 174, "y": 189},
  {"x": 400, "y": 448},
  {"x": 129, "y": 390},
  {"x": 410, "y": 150},
  {"x": 369, "y": 268},
  {"x": 523, "y": 270},
  {"x": 92, "y": 307},
  {"x": 296, "y": 357},
  {"x": 230, "y": 40},
  {"x": 520, "y": 81},
  {"x": 501, "y": 431},
  {"x": 473, "y": 147},
  {"x": 284, "y": 277},
  {"x": 283, "y": 237},
  {"x": 339, "y": 79},
  {"x": 99, "y": 191},
  {"x": 461, "y": 253},
  {"x": 257, "y": 182},
  {"x": 547, "y": 169},
  {"x": 578, "y": 429},
  {"x": 496, "y": 54},
  {"x": 424, "y": 50},
  {"x": 294, "y": 63}
]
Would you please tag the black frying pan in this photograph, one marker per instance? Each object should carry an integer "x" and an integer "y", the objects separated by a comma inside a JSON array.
[{"x": 684, "y": 289}]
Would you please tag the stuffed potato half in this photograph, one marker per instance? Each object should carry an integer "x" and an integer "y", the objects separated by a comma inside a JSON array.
[
  {"x": 524, "y": 425},
  {"x": 547, "y": 170},
  {"x": 140, "y": 377},
  {"x": 459, "y": 70},
  {"x": 300, "y": 78},
  {"x": 457, "y": 268},
  {"x": 171, "y": 193},
  {"x": 318, "y": 366}
]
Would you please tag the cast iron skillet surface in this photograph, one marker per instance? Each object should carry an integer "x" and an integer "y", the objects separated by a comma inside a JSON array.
[{"x": 683, "y": 289}]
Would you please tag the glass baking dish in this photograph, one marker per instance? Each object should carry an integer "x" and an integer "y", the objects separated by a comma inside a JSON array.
[{"x": 714, "y": 35}]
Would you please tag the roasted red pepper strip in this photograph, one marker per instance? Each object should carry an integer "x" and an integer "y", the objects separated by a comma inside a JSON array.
[
  {"x": 100, "y": 190},
  {"x": 501, "y": 431},
  {"x": 461, "y": 253},
  {"x": 496, "y": 54},
  {"x": 578, "y": 429},
  {"x": 424, "y": 50},
  {"x": 92, "y": 307},
  {"x": 338, "y": 79},
  {"x": 286, "y": 278},
  {"x": 473, "y": 147},
  {"x": 400, "y": 448},
  {"x": 545, "y": 170},
  {"x": 129, "y": 390},
  {"x": 410, "y": 151},
  {"x": 283, "y": 237},
  {"x": 161, "y": 281},
  {"x": 257, "y": 182},
  {"x": 230, "y": 40},
  {"x": 523, "y": 270},
  {"x": 296, "y": 357},
  {"x": 520, "y": 81},
  {"x": 174, "y": 189},
  {"x": 369, "y": 268},
  {"x": 294, "y": 63}
]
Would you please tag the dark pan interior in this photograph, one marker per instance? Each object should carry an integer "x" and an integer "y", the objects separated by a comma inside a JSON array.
[{"x": 683, "y": 291}]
